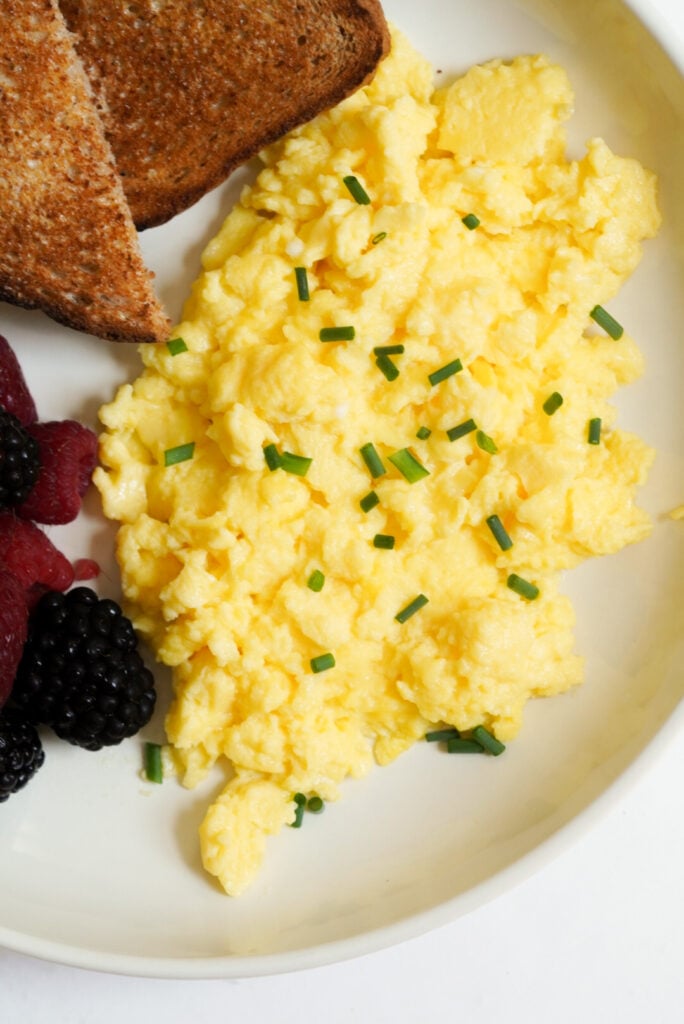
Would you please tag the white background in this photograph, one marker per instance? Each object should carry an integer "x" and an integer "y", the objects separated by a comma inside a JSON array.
[{"x": 597, "y": 936}]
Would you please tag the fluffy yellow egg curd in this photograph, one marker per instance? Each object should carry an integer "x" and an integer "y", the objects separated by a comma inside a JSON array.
[{"x": 342, "y": 540}]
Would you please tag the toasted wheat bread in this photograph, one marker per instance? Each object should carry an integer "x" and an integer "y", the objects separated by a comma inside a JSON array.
[
  {"x": 67, "y": 241},
  {"x": 189, "y": 90}
]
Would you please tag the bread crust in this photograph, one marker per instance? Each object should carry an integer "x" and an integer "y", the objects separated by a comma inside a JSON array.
[
  {"x": 68, "y": 245},
  {"x": 189, "y": 91}
]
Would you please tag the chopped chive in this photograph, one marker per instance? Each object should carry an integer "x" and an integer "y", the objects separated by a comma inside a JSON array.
[
  {"x": 356, "y": 190},
  {"x": 272, "y": 456},
  {"x": 176, "y": 346},
  {"x": 552, "y": 403},
  {"x": 315, "y": 804},
  {"x": 609, "y": 324},
  {"x": 408, "y": 465},
  {"x": 300, "y": 804},
  {"x": 153, "y": 762},
  {"x": 322, "y": 662},
  {"x": 499, "y": 532},
  {"x": 461, "y": 746},
  {"x": 389, "y": 369},
  {"x": 379, "y": 237},
  {"x": 471, "y": 221},
  {"x": 296, "y": 464},
  {"x": 181, "y": 453},
  {"x": 523, "y": 587},
  {"x": 383, "y": 540},
  {"x": 422, "y": 433},
  {"x": 461, "y": 430},
  {"x": 489, "y": 742},
  {"x": 369, "y": 501},
  {"x": 316, "y": 581},
  {"x": 411, "y": 608},
  {"x": 594, "y": 431},
  {"x": 441, "y": 735},
  {"x": 388, "y": 350},
  {"x": 337, "y": 333},
  {"x": 302, "y": 284},
  {"x": 485, "y": 442},
  {"x": 372, "y": 460},
  {"x": 437, "y": 376}
]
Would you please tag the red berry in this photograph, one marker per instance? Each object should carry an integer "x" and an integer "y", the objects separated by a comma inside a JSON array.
[
  {"x": 68, "y": 453},
  {"x": 30, "y": 555},
  {"x": 15, "y": 396},
  {"x": 13, "y": 627}
]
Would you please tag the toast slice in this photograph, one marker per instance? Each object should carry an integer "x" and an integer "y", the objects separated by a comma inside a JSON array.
[
  {"x": 190, "y": 90},
  {"x": 68, "y": 245}
]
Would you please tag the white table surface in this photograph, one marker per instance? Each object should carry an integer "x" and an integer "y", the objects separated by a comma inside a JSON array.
[{"x": 597, "y": 935}]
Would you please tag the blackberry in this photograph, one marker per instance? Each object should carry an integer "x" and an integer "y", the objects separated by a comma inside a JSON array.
[
  {"x": 21, "y": 752},
  {"x": 81, "y": 672},
  {"x": 19, "y": 461}
]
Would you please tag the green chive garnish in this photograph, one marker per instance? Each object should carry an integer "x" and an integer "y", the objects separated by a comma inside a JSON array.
[
  {"x": 272, "y": 456},
  {"x": 594, "y": 431},
  {"x": 379, "y": 237},
  {"x": 461, "y": 430},
  {"x": 461, "y": 746},
  {"x": 522, "y": 587},
  {"x": 387, "y": 367},
  {"x": 372, "y": 460},
  {"x": 603, "y": 318},
  {"x": 316, "y": 581},
  {"x": 552, "y": 403},
  {"x": 296, "y": 464},
  {"x": 369, "y": 501},
  {"x": 500, "y": 535},
  {"x": 181, "y": 453},
  {"x": 300, "y": 802},
  {"x": 176, "y": 346},
  {"x": 408, "y": 465},
  {"x": 337, "y": 334},
  {"x": 302, "y": 284},
  {"x": 437, "y": 376},
  {"x": 486, "y": 443},
  {"x": 383, "y": 540},
  {"x": 442, "y": 735},
  {"x": 422, "y": 433},
  {"x": 388, "y": 350},
  {"x": 153, "y": 762},
  {"x": 322, "y": 662},
  {"x": 411, "y": 608},
  {"x": 315, "y": 804},
  {"x": 356, "y": 190},
  {"x": 471, "y": 221},
  {"x": 489, "y": 742}
]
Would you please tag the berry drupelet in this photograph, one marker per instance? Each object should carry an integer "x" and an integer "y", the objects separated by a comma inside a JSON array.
[{"x": 81, "y": 672}]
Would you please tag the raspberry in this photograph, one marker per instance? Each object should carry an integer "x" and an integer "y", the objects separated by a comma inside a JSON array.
[
  {"x": 19, "y": 461},
  {"x": 68, "y": 453},
  {"x": 27, "y": 553},
  {"x": 81, "y": 672},
  {"x": 21, "y": 752},
  {"x": 13, "y": 624},
  {"x": 14, "y": 393}
]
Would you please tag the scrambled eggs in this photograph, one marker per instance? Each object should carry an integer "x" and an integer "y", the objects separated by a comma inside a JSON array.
[{"x": 322, "y": 610}]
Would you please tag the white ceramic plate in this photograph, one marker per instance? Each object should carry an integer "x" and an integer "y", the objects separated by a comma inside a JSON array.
[{"x": 100, "y": 869}]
